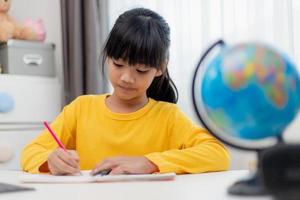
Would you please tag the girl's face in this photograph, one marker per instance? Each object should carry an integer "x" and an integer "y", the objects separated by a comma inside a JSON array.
[{"x": 130, "y": 82}]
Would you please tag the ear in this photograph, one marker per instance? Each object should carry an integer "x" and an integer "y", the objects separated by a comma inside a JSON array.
[
  {"x": 161, "y": 71},
  {"x": 158, "y": 73}
]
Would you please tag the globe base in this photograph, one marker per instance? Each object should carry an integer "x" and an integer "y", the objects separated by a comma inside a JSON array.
[{"x": 252, "y": 186}]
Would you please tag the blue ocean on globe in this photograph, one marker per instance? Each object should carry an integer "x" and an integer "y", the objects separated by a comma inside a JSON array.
[{"x": 251, "y": 91}]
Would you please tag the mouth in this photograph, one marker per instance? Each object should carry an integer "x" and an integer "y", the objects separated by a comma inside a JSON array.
[{"x": 126, "y": 88}]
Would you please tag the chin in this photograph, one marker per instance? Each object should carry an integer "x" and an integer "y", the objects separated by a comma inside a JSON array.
[{"x": 125, "y": 96}]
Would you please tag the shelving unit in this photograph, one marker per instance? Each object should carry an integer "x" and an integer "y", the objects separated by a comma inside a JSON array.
[{"x": 36, "y": 99}]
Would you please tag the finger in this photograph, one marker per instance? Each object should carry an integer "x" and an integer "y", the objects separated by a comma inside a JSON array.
[
  {"x": 58, "y": 166},
  {"x": 103, "y": 163},
  {"x": 103, "y": 166},
  {"x": 117, "y": 170},
  {"x": 74, "y": 155},
  {"x": 67, "y": 158},
  {"x": 110, "y": 160},
  {"x": 76, "y": 158},
  {"x": 55, "y": 166},
  {"x": 62, "y": 165},
  {"x": 64, "y": 157}
]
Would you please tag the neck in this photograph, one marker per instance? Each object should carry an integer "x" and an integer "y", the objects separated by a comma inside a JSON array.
[{"x": 118, "y": 105}]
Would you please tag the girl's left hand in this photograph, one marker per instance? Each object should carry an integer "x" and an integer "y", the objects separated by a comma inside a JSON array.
[{"x": 126, "y": 165}]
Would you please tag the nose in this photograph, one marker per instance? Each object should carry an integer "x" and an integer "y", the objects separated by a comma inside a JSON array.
[{"x": 127, "y": 76}]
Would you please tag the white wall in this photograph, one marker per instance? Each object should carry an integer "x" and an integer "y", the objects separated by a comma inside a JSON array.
[
  {"x": 49, "y": 12},
  {"x": 293, "y": 132},
  {"x": 296, "y": 28}
]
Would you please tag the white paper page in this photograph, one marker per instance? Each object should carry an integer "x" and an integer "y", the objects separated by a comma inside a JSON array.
[
  {"x": 86, "y": 178},
  {"x": 48, "y": 178}
]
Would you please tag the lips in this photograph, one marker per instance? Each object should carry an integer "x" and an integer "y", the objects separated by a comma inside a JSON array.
[{"x": 126, "y": 88}]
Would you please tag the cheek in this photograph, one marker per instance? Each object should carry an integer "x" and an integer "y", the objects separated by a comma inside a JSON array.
[
  {"x": 147, "y": 81},
  {"x": 112, "y": 74},
  {"x": 150, "y": 81}
]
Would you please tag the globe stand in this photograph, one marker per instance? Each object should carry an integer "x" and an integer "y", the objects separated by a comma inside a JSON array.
[{"x": 251, "y": 186}]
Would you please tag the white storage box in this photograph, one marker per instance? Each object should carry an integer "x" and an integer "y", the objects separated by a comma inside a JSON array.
[{"x": 27, "y": 58}]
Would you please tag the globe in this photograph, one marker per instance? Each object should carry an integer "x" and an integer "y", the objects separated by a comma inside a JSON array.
[{"x": 246, "y": 94}]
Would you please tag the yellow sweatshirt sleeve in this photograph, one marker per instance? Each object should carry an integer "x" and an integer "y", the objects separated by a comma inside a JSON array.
[
  {"x": 192, "y": 149},
  {"x": 36, "y": 153}
]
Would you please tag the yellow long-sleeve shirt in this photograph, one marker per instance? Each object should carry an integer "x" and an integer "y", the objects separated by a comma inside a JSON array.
[{"x": 159, "y": 131}]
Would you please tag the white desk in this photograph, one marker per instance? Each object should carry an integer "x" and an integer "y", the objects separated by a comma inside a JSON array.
[{"x": 207, "y": 186}]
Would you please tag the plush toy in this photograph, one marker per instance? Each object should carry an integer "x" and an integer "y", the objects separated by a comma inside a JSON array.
[
  {"x": 9, "y": 28},
  {"x": 38, "y": 27}
]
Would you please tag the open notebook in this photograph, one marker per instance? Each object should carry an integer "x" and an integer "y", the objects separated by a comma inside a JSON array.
[{"x": 87, "y": 178}]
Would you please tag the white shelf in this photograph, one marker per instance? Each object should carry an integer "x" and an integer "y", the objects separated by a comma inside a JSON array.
[{"x": 36, "y": 99}]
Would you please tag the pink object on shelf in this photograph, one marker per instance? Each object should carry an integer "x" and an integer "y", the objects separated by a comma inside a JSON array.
[{"x": 38, "y": 27}]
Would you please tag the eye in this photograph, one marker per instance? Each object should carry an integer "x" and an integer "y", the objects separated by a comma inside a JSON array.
[
  {"x": 142, "y": 71},
  {"x": 117, "y": 64}
]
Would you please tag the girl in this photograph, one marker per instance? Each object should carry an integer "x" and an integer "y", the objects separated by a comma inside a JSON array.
[{"x": 136, "y": 129}]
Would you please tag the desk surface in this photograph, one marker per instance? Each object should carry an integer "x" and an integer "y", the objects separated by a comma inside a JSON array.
[{"x": 185, "y": 187}]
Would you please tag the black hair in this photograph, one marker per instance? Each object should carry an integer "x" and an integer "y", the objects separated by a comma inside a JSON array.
[{"x": 141, "y": 36}]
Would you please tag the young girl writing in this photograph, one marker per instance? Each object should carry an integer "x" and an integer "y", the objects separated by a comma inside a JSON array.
[{"x": 136, "y": 129}]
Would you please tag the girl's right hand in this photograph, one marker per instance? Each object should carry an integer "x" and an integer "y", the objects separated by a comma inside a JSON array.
[{"x": 61, "y": 162}]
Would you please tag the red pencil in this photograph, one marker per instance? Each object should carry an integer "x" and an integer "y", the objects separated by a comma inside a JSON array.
[{"x": 60, "y": 144}]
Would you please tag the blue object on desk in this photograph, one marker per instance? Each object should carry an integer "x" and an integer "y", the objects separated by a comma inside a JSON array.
[{"x": 6, "y": 102}]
